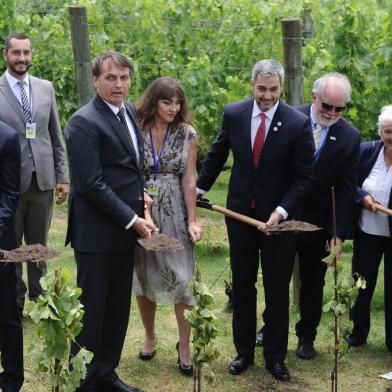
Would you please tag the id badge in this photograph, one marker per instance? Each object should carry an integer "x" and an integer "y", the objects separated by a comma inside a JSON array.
[
  {"x": 153, "y": 187},
  {"x": 31, "y": 130}
]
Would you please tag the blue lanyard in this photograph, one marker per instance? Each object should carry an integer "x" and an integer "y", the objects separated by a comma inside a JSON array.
[{"x": 157, "y": 160}]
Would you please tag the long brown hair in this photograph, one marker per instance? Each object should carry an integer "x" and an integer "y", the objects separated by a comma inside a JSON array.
[{"x": 162, "y": 88}]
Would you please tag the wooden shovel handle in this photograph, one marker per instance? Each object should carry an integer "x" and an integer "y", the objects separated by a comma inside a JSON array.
[
  {"x": 237, "y": 216},
  {"x": 383, "y": 209},
  {"x": 147, "y": 216}
]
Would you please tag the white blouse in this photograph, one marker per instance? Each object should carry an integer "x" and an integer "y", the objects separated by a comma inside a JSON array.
[{"x": 378, "y": 184}]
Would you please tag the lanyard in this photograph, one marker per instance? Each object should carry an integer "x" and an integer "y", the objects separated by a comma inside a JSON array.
[{"x": 157, "y": 160}]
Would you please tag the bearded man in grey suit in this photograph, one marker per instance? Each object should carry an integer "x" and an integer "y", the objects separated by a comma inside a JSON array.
[{"x": 28, "y": 105}]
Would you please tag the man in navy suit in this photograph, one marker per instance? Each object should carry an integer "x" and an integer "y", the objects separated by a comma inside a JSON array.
[
  {"x": 11, "y": 335},
  {"x": 268, "y": 186},
  {"x": 106, "y": 204},
  {"x": 337, "y": 155}
]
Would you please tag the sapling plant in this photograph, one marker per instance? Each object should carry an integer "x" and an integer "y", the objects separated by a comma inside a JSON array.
[
  {"x": 58, "y": 315},
  {"x": 205, "y": 330}
]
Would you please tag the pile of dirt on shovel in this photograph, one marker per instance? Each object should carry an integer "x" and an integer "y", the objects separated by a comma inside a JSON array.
[
  {"x": 160, "y": 243},
  {"x": 292, "y": 225},
  {"x": 30, "y": 253}
]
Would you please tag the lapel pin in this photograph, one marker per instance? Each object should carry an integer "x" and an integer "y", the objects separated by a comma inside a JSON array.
[
  {"x": 279, "y": 123},
  {"x": 332, "y": 138},
  {"x": 275, "y": 129}
]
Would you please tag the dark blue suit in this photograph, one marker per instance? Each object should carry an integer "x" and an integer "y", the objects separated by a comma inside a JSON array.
[
  {"x": 11, "y": 336},
  {"x": 368, "y": 252},
  {"x": 336, "y": 166},
  {"x": 106, "y": 193},
  {"x": 283, "y": 177}
]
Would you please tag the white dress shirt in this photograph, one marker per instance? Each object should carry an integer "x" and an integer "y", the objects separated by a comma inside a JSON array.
[
  {"x": 378, "y": 184},
  {"x": 323, "y": 131},
  {"x": 256, "y": 120},
  {"x": 13, "y": 82},
  {"x": 132, "y": 132}
]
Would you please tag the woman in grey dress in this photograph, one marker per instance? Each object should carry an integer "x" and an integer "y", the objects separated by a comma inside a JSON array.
[{"x": 169, "y": 168}]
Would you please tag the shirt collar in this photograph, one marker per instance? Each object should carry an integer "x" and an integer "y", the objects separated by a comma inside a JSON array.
[
  {"x": 313, "y": 117},
  {"x": 12, "y": 81},
  {"x": 269, "y": 113},
  {"x": 115, "y": 109}
]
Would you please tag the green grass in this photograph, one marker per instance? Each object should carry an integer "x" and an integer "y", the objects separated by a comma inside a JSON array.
[{"x": 358, "y": 371}]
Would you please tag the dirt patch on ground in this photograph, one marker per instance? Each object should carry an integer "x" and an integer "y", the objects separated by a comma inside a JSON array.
[
  {"x": 160, "y": 243},
  {"x": 292, "y": 225},
  {"x": 30, "y": 253}
]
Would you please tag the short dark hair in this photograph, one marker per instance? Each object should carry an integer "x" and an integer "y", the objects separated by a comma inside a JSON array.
[
  {"x": 7, "y": 42},
  {"x": 117, "y": 58},
  {"x": 162, "y": 88}
]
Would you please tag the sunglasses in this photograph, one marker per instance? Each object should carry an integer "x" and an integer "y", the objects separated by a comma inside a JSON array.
[{"x": 328, "y": 107}]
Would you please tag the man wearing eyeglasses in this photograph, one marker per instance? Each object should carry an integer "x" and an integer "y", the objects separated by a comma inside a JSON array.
[{"x": 337, "y": 155}]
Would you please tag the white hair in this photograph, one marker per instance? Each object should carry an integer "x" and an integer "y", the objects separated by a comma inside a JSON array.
[{"x": 385, "y": 115}]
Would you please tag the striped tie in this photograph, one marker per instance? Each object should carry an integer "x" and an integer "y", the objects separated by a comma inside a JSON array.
[
  {"x": 25, "y": 102},
  {"x": 317, "y": 136},
  {"x": 121, "y": 116}
]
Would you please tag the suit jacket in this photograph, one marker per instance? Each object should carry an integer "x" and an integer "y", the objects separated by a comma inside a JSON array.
[
  {"x": 336, "y": 166},
  {"x": 368, "y": 156},
  {"x": 106, "y": 179},
  {"x": 285, "y": 170},
  {"x": 47, "y": 148},
  {"x": 9, "y": 184}
]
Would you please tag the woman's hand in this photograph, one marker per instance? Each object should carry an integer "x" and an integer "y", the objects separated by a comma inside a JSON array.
[
  {"x": 368, "y": 203},
  {"x": 194, "y": 231}
]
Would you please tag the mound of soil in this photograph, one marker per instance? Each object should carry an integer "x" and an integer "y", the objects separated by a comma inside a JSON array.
[
  {"x": 292, "y": 225},
  {"x": 30, "y": 253},
  {"x": 160, "y": 242}
]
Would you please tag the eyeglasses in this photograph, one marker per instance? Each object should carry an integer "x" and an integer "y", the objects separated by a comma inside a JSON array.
[{"x": 328, "y": 107}]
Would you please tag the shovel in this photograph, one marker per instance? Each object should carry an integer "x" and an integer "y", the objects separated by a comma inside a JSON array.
[
  {"x": 290, "y": 225},
  {"x": 159, "y": 242},
  {"x": 383, "y": 209}
]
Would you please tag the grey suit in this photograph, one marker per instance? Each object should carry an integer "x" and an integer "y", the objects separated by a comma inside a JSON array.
[{"x": 43, "y": 165}]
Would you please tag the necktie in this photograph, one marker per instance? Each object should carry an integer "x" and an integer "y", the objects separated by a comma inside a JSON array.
[
  {"x": 259, "y": 140},
  {"x": 25, "y": 102},
  {"x": 317, "y": 136},
  {"x": 121, "y": 116}
]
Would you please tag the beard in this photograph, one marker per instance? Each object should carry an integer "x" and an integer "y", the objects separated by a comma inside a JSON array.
[
  {"x": 17, "y": 71},
  {"x": 327, "y": 122}
]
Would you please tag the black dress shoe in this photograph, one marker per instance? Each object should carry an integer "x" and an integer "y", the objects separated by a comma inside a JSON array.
[
  {"x": 354, "y": 341},
  {"x": 305, "y": 349},
  {"x": 240, "y": 364},
  {"x": 146, "y": 355},
  {"x": 278, "y": 370},
  {"x": 118, "y": 386},
  {"x": 186, "y": 370},
  {"x": 259, "y": 338}
]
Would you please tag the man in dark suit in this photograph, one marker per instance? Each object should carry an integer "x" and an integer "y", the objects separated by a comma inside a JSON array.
[
  {"x": 337, "y": 155},
  {"x": 11, "y": 335},
  {"x": 105, "y": 207},
  {"x": 272, "y": 171}
]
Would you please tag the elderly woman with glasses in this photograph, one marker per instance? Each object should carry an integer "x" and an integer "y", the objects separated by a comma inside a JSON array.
[{"x": 372, "y": 239}]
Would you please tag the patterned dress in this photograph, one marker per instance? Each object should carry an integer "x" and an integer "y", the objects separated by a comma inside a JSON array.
[{"x": 163, "y": 277}]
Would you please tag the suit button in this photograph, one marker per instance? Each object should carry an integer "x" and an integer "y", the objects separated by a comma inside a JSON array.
[{"x": 140, "y": 198}]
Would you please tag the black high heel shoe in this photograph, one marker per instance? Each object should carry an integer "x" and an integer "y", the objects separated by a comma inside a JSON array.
[
  {"x": 146, "y": 355},
  {"x": 187, "y": 370}
]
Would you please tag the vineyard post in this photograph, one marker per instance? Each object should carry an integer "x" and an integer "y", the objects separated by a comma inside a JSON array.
[
  {"x": 294, "y": 82},
  {"x": 81, "y": 53}
]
